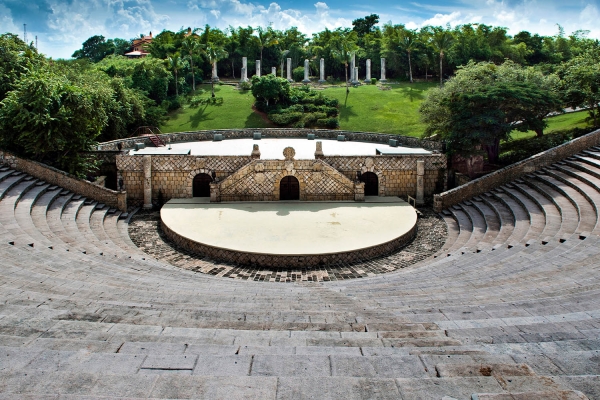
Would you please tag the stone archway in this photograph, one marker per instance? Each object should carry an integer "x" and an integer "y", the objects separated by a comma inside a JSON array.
[
  {"x": 371, "y": 182},
  {"x": 201, "y": 185},
  {"x": 289, "y": 188}
]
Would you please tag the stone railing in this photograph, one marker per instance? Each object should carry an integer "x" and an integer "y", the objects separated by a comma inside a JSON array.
[
  {"x": 506, "y": 175},
  {"x": 66, "y": 181},
  {"x": 269, "y": 133}
]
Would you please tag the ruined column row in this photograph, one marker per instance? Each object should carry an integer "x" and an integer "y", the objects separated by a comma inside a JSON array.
[{"x": 353, "y": 70}]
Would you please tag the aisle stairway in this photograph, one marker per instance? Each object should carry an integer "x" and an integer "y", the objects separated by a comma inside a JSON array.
[{"x": 508, "y": 309}]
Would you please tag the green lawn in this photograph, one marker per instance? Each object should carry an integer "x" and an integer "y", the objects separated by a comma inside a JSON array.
[
  {"x": 557, "y": 123},
  {"x": 367, "y": 108},
  {"x": 235, "y": 112},
  {"x": 370, "y": 109}
]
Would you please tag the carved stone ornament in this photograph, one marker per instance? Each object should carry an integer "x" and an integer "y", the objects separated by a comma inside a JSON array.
[
  {"x": 289, "y": 153},
  {"x": 200, "y": 163},
  {"x": 260, "y": 177},
  {"x": 289, "y": 165},
  {"x": 317, "y": 167},
  {"x": 369, "y": 162},
  {"x": 260, "y": 167}
]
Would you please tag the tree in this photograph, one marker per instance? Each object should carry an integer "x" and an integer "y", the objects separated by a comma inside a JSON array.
[
  {"x": 214, "y": 53},
  {"x": 343, "y": 46},
  {"x": 16, "y": 59},
  {"x": 175, "y": 64},
  {"x": 53, "y": 119},
  {"x": 363, "y": 26},
  {"x": 270, "y": 88},
  {"x": 191, "y": 46},
  {"x": 96, "y": 48},
  {"x": 581, "y": 82},
  {"x": 483, "y": 103},
  {"x": 265, "y": 38},
  {"x": 408, "y": 41},
  {"x": 441, "y": 40}
]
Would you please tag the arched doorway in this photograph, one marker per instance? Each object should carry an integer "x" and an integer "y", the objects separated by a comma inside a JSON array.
[
  {"x": 371, "y": 183},
  {"x": 289, "y": 188},
  {"x": 201, "y": 185}
]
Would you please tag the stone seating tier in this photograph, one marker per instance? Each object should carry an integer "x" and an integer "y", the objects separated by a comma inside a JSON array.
[{"x": 508, "y": 308}]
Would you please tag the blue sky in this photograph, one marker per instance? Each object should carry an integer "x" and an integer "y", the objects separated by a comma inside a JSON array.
[{"x": 62, "y": 25}]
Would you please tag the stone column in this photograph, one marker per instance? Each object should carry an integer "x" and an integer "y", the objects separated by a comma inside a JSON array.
[
  {"x": 215, "y": 77},
  {"x": 215, "y": 193},
  {"x": 244, "y": 69},
  {"x": 306, "y": 70},
  {"x": 382, "y": 70},
  {"x": 258, "y": 68},
  {"x": 368, "y": 74},
  {"x": 420, "y": 182},
  {"x": 355, "y": 81},
  {"x": 322, "y": 71},
  {"x": 319, "y": 150},
  {"x": 289, "y": 70},
  {"x": 274, "y": 71},
  {"x": 147, "y": 162},
  {"x": 359, "y": 191},
  {"x": 352, "y": 66}
]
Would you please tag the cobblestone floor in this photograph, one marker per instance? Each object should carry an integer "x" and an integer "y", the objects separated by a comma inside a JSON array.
[{"x": 145, "y": 232}]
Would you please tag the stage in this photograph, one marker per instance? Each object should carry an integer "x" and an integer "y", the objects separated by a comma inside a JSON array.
[{"x": 290, "y": 233}]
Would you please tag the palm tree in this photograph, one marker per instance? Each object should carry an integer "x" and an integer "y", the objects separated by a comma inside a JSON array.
[
  {"x": 191, "y": 46},
  {"x": 265, "y": 38},
  {"x": 343, "y": 47},
  {"x": 175, "y": 64},
  {"x": 214, "y": 53},
  {"x": 408, "y": 41},
  {"x": 441, "y": 40}
]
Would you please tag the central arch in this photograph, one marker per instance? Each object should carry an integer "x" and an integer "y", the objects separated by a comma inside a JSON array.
[
  {"x": 289, "y": 188},
  {"x": 201, "y": 185},
  {"x": 371, "y": 183}
]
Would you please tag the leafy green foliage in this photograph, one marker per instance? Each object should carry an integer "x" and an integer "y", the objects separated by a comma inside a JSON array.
[
  {"x": 581, "y": 82},
  {"x": 51, "y": 118},
  {"x": 16, "y": 60},
  {"x": 297, "y": 107},
  {"x": 483, "y": 103},
  {"x": 96, "y": 48},
  {"x": 298, "y": 74}
]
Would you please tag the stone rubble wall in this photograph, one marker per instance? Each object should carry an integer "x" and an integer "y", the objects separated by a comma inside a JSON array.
[
  {"x": 515, "y": 171},
  {"x": 66, "y": 181},
  {"x": 172, "y": 176},
  {"x": 260, "y": 180},
  {"x": 397, "y": 175},
  {"x": 269, "y": 133}
]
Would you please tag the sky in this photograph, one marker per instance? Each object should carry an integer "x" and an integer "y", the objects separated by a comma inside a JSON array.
[{"x": 63, "y": 25}]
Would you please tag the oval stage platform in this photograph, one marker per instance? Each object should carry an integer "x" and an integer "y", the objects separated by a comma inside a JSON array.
[{"x": 288, "y": 234}]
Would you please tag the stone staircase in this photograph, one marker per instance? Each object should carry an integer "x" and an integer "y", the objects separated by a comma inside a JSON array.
[{"x": 509, "y": 308}]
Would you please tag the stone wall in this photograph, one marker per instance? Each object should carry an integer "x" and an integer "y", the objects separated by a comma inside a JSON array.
[
  {"x": 260, "y": 180},
  {"x": 273, "y": 133},
  {"x": 173, "y": 175},
  {"x": 66, "y": 181},
  {"x": 397, "y": 175},
  {"x": 514, "y": 171}
]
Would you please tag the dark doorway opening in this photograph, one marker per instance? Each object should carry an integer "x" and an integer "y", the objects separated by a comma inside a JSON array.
[
  {"x": 371, "y": 183},
  {"x": 201, "y": 185},
  {"x": 289, "y": 188}
]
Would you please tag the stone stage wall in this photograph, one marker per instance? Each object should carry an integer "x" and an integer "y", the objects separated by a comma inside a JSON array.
[{"x": 259, "y": 181}]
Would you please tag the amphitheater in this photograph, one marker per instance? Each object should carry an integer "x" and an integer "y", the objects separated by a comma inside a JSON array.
[{"x": 506, "y": 307}]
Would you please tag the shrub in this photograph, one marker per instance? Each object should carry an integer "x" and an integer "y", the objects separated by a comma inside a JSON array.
[
  {"x": 330, "y": 123},
  {"x": 245, "y": 85},
  {"x": 373, "y": 81},
  {"x": 298, "y": 74},
  {"x": 285, "y": 118}
]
